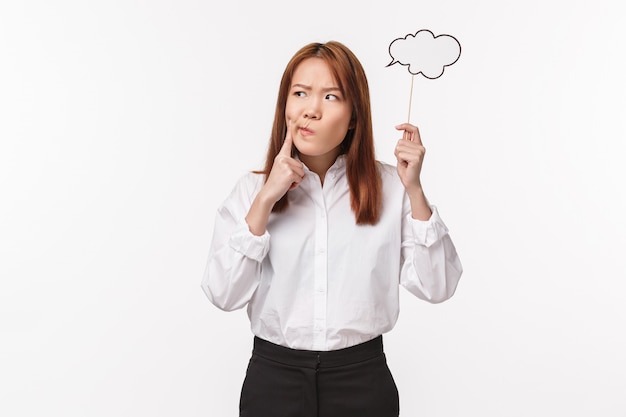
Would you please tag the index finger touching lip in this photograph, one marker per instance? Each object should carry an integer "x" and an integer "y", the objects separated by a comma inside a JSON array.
[{"x": 288, "y": 142}]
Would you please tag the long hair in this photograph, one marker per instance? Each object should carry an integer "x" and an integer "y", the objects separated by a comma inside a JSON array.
[{"x": 357, "y": 146}]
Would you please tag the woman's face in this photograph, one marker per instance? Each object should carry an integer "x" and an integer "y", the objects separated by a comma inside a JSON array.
[{"x": 319, "y": 113}]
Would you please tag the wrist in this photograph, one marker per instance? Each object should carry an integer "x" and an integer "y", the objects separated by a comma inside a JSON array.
[
  {"x": 415, "y": 191},
  {"x": 420, "y": 209},
  {"x": 265, "y": 200},
  {"x": 259, "y": 213}
]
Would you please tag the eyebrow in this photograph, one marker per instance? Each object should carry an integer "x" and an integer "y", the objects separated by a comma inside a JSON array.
[{"x": 325, "y": 90}]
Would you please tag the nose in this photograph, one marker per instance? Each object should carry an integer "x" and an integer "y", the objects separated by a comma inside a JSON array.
[
  {"x": 312, "y": 114},
  {"x": 313, "y": 111}
]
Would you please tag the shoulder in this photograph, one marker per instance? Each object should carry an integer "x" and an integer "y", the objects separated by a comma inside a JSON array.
[
  {"x": 247, "y": 186},
  {"x": 251, "y": 179},
  {"x": 387, "y": 171},
  {"x": 385, "y": 167},
  {"x": 392, "y": 186}
]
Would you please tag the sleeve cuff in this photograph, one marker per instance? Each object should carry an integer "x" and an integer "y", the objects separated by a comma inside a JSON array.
[
  {"x": 248, "y": 244},
  {"x": 428, "y": 232}
]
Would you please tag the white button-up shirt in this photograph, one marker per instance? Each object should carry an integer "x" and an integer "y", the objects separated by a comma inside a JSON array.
[{"x": 318, "y": 281}]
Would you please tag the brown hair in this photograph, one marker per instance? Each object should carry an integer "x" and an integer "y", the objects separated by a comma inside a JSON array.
[{"x": 358, "y": 145}]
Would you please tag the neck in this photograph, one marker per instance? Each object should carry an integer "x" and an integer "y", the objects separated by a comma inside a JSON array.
[{"x": 320, "y": 164}]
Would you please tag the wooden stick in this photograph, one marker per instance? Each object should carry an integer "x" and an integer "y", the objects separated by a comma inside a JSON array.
[{"x": 410, "y": 98}]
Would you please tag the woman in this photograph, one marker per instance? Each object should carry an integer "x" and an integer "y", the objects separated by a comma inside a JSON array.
[{"x": 317, "y": 244}]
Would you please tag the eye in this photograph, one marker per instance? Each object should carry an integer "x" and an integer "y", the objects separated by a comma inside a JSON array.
[
  {"x": 331, "y": 97},
  {"x": 299, "y": 94}
]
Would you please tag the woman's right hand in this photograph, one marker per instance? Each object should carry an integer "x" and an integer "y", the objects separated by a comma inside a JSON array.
[{"x": 286, "y": 174}]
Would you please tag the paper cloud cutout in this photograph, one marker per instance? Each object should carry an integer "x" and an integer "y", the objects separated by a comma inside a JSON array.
[{"x": 424, "y": 53}]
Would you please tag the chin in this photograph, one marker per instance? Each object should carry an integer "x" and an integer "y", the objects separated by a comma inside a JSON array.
[
  {"x": 312, "y": 152},
  {"x": 303, "y": 149}
]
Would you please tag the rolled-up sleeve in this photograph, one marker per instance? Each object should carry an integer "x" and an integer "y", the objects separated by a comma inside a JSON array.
[
  {"x": 233, "y": 268},
  {"x": 431, "y": 268}
]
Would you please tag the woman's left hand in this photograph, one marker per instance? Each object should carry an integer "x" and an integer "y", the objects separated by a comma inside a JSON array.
[{"x": 410, "y": 154}]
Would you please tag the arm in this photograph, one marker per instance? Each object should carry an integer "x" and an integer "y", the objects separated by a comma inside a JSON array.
[
  {"x": 240, "y": 237},
  {"x": 410, "y": 155},
  {"x": 233, "y": 269},
  {"x": 286, "y": 174},
  {"x": 431, "y": 268}
]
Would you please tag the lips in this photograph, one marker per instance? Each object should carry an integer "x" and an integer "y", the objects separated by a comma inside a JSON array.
[{"x": 306, "y": 131}]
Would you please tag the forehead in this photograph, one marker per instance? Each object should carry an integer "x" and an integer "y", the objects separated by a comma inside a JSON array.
[{"x": 314, "y": 71}]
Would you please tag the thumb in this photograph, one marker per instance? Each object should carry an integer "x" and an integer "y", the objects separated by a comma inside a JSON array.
[{"x": 288, "y": 143}]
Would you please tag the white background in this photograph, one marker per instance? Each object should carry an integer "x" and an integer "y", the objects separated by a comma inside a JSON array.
[{"x": 123, "y": 124}]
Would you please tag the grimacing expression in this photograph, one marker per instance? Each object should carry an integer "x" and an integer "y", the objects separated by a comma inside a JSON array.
[{"x": 319, "y": 113}]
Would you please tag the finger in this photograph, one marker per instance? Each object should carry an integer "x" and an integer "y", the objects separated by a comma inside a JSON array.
[
  {"x": 409, "y": 145},
  {"x": 297, "y": 176},
  {"x": 406, "y": 134},
  {"x": 297, "y": 168},
  {"x": 287, "y": 143},
  {"x": 294, "y": 185},
  {"x": 416, "y": 137},
  {"x": 291, "y": 167},
  {"x": 409, "y": 156},
  {"x": 411, "y": 132},
  {"x": 407, "y": 150}
]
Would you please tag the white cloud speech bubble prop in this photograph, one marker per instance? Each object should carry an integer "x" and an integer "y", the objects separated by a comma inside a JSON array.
[{"x": 424, "y": 53}]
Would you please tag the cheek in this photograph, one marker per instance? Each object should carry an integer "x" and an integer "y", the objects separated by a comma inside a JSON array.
[
  {"x": 342, "y": 122},
  {"x": 291, "y": 111}
]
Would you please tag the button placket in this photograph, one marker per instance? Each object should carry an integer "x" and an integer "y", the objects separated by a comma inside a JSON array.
[{"x": 320, "y": 275}]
